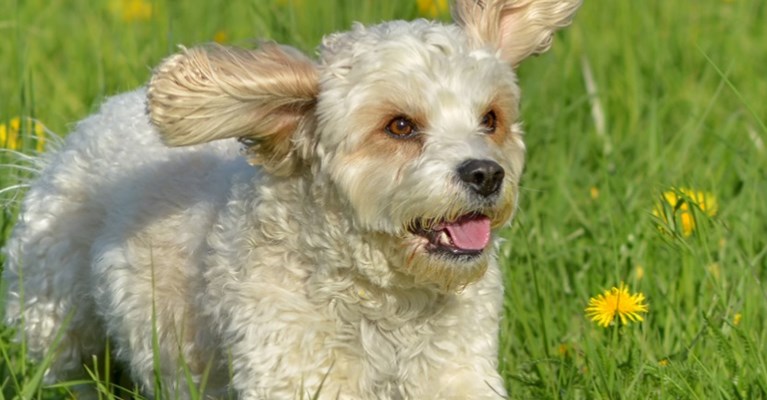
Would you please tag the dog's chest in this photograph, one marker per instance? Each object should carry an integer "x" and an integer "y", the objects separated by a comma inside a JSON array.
[{"x": 383, "y": 343}]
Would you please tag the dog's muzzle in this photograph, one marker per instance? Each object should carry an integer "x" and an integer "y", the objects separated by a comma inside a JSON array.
[{"x": 468, "y": 235}]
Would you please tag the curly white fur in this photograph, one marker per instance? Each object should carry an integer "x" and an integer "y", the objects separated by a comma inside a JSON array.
[{"x": 316, "y": 260}]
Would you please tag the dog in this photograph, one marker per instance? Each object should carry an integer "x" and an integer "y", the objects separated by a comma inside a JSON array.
[{"x": 257, "y": 223}]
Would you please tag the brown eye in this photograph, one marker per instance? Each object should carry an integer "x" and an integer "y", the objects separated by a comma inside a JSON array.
[
  {"x": 489, "y": 122},
  {"x": 401, "y": 127}
]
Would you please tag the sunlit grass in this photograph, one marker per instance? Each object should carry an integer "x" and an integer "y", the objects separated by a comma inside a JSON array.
[{"x": 632, "y": 100}]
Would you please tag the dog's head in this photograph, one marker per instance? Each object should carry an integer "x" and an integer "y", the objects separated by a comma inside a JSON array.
[{"x": 414, "y": 124}]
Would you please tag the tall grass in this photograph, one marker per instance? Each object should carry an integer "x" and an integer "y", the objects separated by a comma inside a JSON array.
[{"x": 634, "y": 99}]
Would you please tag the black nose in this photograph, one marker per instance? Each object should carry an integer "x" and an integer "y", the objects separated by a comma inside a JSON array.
[{"x": 483, "y": 176}]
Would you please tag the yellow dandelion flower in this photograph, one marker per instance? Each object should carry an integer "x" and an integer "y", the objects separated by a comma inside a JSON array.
[
  {"x": 616, "y": 302},
  {"x": 736, "y": 319},
  {"x": 594, "y": 192},
  {"x": 8, "y": 138},
  {"x": 40, "y": 145},
  {"x": 663, "y": 362},
  {"x": 221, "y": 37},
  {"x": 680, "y": 202},
  {"x": 132, "y": 10},
  {"x": 639, "y": 272},
  {"x": 432, "y": 8},
  {"x": 12, "y": 133}
]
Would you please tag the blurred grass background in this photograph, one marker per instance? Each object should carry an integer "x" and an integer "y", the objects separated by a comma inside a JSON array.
[{"x": 634, "y": 99}]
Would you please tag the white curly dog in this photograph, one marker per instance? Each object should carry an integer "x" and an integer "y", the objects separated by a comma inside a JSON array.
[{"x": 273, "y": 227}]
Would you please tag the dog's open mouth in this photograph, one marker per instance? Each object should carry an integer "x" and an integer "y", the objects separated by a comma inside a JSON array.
[{"x": 466, "y": 236}]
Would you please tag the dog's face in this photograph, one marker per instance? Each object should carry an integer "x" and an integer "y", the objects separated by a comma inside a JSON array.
[
  {"x": 413, "y": 124},
  {"x": 418, "y": 132}
]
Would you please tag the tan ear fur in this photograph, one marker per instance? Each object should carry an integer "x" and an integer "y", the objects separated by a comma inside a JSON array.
[
  {"x": 262, "y": 96},
  {"x": 519, "y": 28}
]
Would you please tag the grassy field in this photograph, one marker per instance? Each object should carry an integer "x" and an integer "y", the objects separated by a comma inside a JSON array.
[{"x": 635, "y": 101}]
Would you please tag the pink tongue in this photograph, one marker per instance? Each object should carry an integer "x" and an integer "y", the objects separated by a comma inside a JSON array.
[{"x": 471, "y": 233}]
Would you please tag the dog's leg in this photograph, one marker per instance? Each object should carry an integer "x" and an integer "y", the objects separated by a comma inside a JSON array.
[
  {"x": 143, "y": 302},
  {"x": 49, "y": 297}
]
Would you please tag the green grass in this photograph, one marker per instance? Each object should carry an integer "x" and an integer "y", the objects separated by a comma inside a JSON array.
[{"x": 681, "y": 89}]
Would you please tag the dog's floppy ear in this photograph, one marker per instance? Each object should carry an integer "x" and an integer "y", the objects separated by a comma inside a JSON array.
[
  {"x": 518, "y": 28},
  {"x": 263, "y": 96}
]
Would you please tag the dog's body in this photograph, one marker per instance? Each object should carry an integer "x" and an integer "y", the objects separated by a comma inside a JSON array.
[{"x": 355, "y": 260}]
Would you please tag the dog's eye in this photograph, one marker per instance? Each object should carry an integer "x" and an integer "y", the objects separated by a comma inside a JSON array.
[
  {"x": 401, "y": 127},
  {"x": 489, "y": 122}
]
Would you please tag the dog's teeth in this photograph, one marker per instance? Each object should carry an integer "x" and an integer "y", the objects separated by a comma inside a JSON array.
[{"x": 444, "y": 239}]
